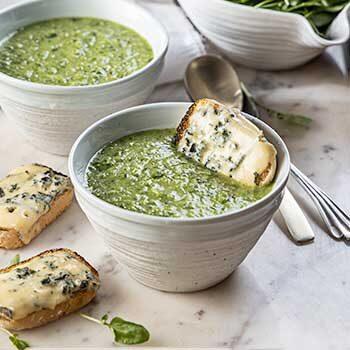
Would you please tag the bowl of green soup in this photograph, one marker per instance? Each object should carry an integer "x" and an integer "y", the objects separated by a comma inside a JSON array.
[
  {"x": 65, "y": 64},
  {"x": 173, "y": 224}
]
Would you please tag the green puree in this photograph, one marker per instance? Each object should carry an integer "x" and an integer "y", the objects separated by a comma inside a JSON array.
[
  {"x": 144, "y": 172},
  {"x": 74, "y": 51}
]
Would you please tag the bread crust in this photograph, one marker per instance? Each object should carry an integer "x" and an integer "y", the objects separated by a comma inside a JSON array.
[
  {"x": 44, "y": 316},
  {"x": 10, "y": 238}
]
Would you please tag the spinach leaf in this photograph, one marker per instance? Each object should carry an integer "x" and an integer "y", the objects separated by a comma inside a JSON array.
[
  {"x": 124, "y": 332},
  {"x": 287, "y": 117},
  {"x": 18, "y": 343}
]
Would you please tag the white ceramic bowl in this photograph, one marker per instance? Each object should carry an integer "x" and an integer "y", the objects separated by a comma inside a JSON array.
[
  {"x": 170, "y": 254},
  {"x": 260, "y": 38},
  {"x": 52, "y": 117}
]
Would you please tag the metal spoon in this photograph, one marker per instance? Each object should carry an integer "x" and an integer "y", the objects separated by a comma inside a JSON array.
[{"x": 213, "y": 77}]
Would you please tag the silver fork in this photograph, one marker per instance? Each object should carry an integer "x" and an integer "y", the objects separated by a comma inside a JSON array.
[{"x": 337, "y": 221}]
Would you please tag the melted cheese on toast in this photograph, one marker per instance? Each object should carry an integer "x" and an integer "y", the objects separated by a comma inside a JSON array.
[
  {"x": 43, "y": 282},
  {"x": 26, "y": 194},
  {"x": 224, "y": 141}
]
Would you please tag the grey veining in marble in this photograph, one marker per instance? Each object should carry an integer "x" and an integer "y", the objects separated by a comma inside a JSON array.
[{"x": 282, "y": 296}]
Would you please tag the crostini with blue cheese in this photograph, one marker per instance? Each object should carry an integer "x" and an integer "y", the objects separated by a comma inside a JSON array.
[
  {"x": 44, "y": 288},
  {"x": 31, "y": 197},
  {"x": 223, "y": 140}
]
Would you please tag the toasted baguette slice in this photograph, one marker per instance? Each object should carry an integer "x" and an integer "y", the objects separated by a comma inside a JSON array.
[
  {"x": 31, "y": 197},
  {"x": 44, "y": 288},
  {"x": 226, "y": 142}
]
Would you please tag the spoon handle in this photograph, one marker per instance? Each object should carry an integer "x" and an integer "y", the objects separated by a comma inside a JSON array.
[{"x": 298, "y": 226}]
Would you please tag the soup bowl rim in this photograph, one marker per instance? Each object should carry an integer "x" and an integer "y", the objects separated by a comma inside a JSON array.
[
  {"x": 116, "y": 211},
  {"x": 64, "y": 89}
]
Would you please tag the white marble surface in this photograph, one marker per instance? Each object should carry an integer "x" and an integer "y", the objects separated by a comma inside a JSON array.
[{"x": 282, "y": 297}]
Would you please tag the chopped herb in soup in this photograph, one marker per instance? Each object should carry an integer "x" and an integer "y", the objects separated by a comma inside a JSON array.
[
  {"x": 74, "y": 51},
  {"x": 145, "y": 173}
]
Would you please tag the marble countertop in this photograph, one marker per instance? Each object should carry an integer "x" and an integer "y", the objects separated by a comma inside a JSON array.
[{"x": 283, "y": 296}]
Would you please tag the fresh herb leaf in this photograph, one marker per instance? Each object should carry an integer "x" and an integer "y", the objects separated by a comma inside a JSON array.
[
  {"x": 18, "y": 343},
  {"x": 287, "y": 117},
  {"x": 124, "y": 332},
  {"x": 15, "y": 260}
]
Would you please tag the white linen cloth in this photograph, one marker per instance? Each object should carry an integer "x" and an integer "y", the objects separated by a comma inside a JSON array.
[{"x": 185, "y": 43}]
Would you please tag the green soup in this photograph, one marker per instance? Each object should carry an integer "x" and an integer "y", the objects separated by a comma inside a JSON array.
[
  {"x": 145, "y": 173},
  {"x": 74, "y": 52}
]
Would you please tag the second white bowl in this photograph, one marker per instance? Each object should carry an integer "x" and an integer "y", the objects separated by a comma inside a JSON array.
[
  {"x": 171, "y": 254},
  {"x": 52, "y": 117},
  {"x": 260, "y": 38}
]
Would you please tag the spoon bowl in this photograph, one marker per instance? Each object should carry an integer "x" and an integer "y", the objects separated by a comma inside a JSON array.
[{"x": 213, "y": 77}]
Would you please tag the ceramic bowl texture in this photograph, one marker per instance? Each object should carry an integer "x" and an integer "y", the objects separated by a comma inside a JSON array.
[
  {"x": 171, "y": 254},
  {"x": 52, "y": 117},
  {"x": 260, "y": 38}
]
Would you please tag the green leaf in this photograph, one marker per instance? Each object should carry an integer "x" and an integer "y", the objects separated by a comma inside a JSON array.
[
  {"x": 126, "y": 332},
  {"x": 15, "y": 260},
  {"x": 18, "y": 343},
  {"x": 321, "y": 19},
  {"x": 291, "y": 118}
]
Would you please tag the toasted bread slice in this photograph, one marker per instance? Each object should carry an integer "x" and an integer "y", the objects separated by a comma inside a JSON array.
[
  {"x": 44, "y": 288},
  {"x": 31, "y": 197},
  {"x": 224, "y": 141}
]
